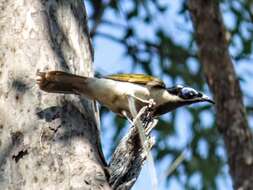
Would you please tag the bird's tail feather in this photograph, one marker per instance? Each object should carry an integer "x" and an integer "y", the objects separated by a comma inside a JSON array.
[{"x": 59, "y": 82}]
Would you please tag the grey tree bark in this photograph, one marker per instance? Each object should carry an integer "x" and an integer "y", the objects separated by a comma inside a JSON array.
[
  {"x": 47, "y": 141},
  {"x": 51, "y": 141},
  {"x": 221, "y": 77}
]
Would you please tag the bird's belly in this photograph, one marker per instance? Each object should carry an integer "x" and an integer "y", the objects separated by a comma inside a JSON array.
[{"x": 115, "y": 94}]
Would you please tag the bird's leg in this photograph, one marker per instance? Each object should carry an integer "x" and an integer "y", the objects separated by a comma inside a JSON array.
[
  {"x": 133, "y": 122},
  {"x": 145, "y": 113},
  {"x": 124, "y": 113},
  {"x": 149, "y": 102},
  {"x": 150, "y": 126}
]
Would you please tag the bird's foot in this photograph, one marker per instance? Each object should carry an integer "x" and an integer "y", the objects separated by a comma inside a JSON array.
[
  {"x": 151, "y": 103},
  {"x": 124, "y": 113}
]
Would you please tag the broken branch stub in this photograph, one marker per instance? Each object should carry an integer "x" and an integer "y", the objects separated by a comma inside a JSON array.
[{"x": 132, "y": 151}]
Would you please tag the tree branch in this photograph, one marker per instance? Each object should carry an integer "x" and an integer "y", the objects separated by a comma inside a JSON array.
[{"x": 130, "y": 154}]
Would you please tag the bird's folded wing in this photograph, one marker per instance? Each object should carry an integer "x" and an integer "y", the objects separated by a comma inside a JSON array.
[{"x": 138, "y": 79}]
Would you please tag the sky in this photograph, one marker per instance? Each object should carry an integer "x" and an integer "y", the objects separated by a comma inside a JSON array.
[{"x": 109, "y": 59}]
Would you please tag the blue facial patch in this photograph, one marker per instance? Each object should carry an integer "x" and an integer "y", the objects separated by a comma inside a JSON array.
[{"x": 189, "y": 93}]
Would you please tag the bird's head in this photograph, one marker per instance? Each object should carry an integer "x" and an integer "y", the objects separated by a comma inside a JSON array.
[
  {"x": 180, "y": 96},
  {"x": 188, "y": 95}
]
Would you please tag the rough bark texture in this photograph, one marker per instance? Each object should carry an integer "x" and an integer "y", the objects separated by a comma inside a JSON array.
[
  {"x": 127, "y": 160},
  {"x": 130, "y": 161},
  {"x": 221, "y": 77},
  {"x": 47, "y": 141}
]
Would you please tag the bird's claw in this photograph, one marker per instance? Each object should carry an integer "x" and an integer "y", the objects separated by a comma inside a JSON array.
[{"x": 151, "y": 103}]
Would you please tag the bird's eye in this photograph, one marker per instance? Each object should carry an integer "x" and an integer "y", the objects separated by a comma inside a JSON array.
[{"x": 189, "y": 93}]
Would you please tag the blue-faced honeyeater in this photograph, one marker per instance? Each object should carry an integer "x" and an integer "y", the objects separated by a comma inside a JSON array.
[{"x": 113, "y": 91}]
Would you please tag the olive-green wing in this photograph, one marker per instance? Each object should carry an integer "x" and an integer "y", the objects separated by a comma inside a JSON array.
[{"x": 138, "y": 79}]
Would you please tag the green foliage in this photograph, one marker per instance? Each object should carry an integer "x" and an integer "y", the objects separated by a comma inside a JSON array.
[{"x": 177, "y": 61}]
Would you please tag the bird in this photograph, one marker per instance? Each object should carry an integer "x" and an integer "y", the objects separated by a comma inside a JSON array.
[{"x": 113, "y": 91}]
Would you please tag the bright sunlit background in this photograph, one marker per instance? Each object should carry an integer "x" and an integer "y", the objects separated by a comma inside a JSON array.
[{"x": 110, "y": 58}]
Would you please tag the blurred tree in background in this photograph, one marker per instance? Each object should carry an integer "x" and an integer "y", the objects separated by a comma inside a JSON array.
[{"x": 166, "y": 48}]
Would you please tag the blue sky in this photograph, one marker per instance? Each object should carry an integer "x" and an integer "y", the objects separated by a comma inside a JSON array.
[{"x": 109, "y": 59}]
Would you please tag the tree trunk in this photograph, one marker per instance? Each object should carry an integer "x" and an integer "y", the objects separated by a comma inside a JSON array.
[
  {"x": 47, "y": 141},
  {"x": 221, "y": 77}
]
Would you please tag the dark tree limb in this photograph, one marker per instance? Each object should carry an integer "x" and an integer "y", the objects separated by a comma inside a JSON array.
[
  {"x": 129, "y": 156},
  {"x": 212, "y": 41},
  {"x": 127, "y": 161}
]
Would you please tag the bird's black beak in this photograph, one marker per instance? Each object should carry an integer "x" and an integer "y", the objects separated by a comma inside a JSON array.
[{"x": 205, "y": 98}]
